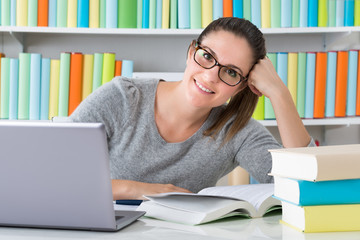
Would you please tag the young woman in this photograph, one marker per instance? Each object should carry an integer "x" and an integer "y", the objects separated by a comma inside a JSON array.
[{"x": 183, "y": 136}]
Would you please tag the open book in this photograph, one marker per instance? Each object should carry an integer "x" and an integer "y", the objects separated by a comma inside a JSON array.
[{"x": 253, "y": 200}]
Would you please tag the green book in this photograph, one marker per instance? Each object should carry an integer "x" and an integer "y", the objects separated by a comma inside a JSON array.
[
  {"x": 139, "y": 13},
  {"x": 332, "y": 13},
  {"x": 247, "y": 9},
  {"x": 61, "y": 14},
  {"x": 268, "y": 109},
  {"x": 98, "y": 69},
  {"x": 259, "y": 110},
  {"x": 300, "y": 100},
  {"x": 5, "y": 13},
  {"x": 322, "y": 13},
  {"x": 357, "y": 13},
  {"x": 64, "y": 80},
  {"x": 173, "y": 13},
  {"x": 195, "y": 14},
  {"x": 275, "y": 7},
  {"x": 5, "y": 88},
  {"x": 102, "y": 13},
  {"x": 295, "y": 15},
  {"x": 32, "y": 13},
  {"x": 108, "y": 71},
  {"x": 152, "y": 14},
  {"x": 127, "y": 14},
  {"x": 24, "y": 86}
]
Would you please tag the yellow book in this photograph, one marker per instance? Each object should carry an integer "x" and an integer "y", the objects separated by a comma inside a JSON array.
[
  {"x": 322, "y": 13},
  {"x": 322, "y": 218},
  {"x": 357, "y": 13},
  {"x": 292, "y": 75},
  {"x": 259, "y": 113},
  {"x": 108, "y": 71},
  {"x": 22, "y": 13},
  {"x": 87, "y": 75},
  {"x": 165, "y": 14},
  {"x": 94, "y": 13},
  {"x": 72, "y": 13},
  {"x": 206, "y": 12},
  {"x": 54, "y": 87},
  {"x": 265, "y": 14}
]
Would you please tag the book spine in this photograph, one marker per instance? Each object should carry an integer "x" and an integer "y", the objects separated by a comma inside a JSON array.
[
  {"x": 13, "y": 89},
  {"x": 75, "y": 83},
  {"x": 358, "y": 88},
  {"x": 247, "y": 9},
  {"x": 5, "y": 85},
  {"x": 320, "y": 85},
  {"x": 54, "y": 88},
  {"x": 5, "y": 13},
  {"x": 268, "y": 109},
  {"x": 184, "y": 14},
  {"x": 127, "y": 68},
  {"x": 304, "y": 13},
  {"x": 165, "y": 14},
  {"x": 357, "y": 11},
  {"x": 22, "y": 13},
  {"x": 24, "y": 84},
  {"x": 32, "y": 13},
  {"x": 152, "y": 14},
  {"x": 83, "y": 13},
  {"x": 173, "y": 14},
  {"x": 275, "y": 5},
  {"x": 301, "y": 80},
  {"x": 13, "y": 12},
  {"x": 285, "y": 13},
  {"x": 332, "y": 13},
  {"x": 310, "y": 84},
  {"x": 323, "y": 13},
  {"x": 292, "y": 75},
  {"x": 52, "y": 13},
  {"x": 35, "y": 80},
  {"x": 45, "y": 87},
  {"x": 227, "y": 8},
  {"x": 108, "y": 67},
  {"x": 87, "y": 75},
  {"x": 102, "y": 14},
  {"x": 282, "y": 66},
  {"x": 127, "y": 14},
  {"x": 98, "y": 66},
  {"x": 352, "y": 83},
  {"x": 64, "y": 79},
  {"x": 72, "y": 13},
  {"x": 238, "y": 8},
  {"x": 259, "y": 110},
  {"x": 61, "y": 15},
  {"x": 118, "y": 64},
  {"x": 295, "y": 13},
  {"x": 340, "y": 8},
  {"x": 256, "y": 12},
  {"x": 330, "y": 84},
  {"x": 139, "y": 13},
  {"x": 111, "y": 14},
  {"x": 206, "y": 13},
  {"x": 43, "y": 13},
  {"x": 159, "y": 14},
  {"x": 341, "y": 83},
  {"x": 195, "y": 14},
  {"x": 94, "y": 13},
  {"x": 313, "y": 13},
  {"x": 265, "y": 14},
  {"x": 349, "y": 13},
  {"x": 145, "y": 14}
]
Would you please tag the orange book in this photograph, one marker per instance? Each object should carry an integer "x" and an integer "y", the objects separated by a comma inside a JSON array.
[
  {"x": 320, "y": 84},
  {"x": 227, "y": 8},
  {"x": 118, "y": 64},
  {"x": 341, "y": 83},
  {"x": 357, "y": 113},
  {"x": 75, "y": 83},
  {"x": 43, "y": 13}
]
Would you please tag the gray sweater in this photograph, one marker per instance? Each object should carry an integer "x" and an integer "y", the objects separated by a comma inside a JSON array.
[{"x": 138, "y": 152}]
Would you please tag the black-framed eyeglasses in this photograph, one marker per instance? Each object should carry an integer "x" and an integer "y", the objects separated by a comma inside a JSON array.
[{"x": 226, "y": 74}]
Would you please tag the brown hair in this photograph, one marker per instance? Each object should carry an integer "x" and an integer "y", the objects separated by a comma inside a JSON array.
[{"x": 243, "y": 104}]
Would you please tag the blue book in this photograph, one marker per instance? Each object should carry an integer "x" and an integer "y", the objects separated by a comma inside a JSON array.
[
  {"x": 330, "y": 84},
  {"x": 313, "y": 13},
  {"x": 349, "y": 13},
  {"x": 127, "y": 68},
  {"x": 351, "y": 83},
  {"x": 24, "y": 86},
  {"x": 159, "y": 13},
  {"x": 145, "y": 13},
  {"x": 111, "y": 8},
  {"x": 303, "y": 15},
  {"x": 184, "y": 13},
  {"x": 285, "y": 13},
  {"x": 238, "y": 8},
  {"x": 52, "y": 13},
  {"x": 4, "y": 89},
  {"x": 13, "y": 13},
  {"x": 217, "y": 9},
  {"x": 83, "y": 13},
  {"x": 340, "y": 8},
  {"x": 34, "y": 95},
  {"x": 307, "y": 193},
  {"x": 45, "y": 88},
  {"x": 256, "y": 12},
  {"x": 310, "y": 84},
  {"x": 13, "y": 90},
  {"x": 282, "y": 66}
]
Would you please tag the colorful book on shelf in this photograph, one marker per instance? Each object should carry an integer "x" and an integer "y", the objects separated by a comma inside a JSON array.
[
  {"x": 32, "y": 13},
  {"x": 118, "y": 65},
  {"x": 320, "y": 85},
  {"x": 321, "y": 218},
  {"x": 152, "y": 14},
  {"x": 102, "y": 14},
  {"x": 61, "y": 13},
  {"x": 159, "y": 13},
  {"x": 304, "y": 13},
  {"x": 75, "y": 83},
  {"x": 341, "y": 83},
  {"x": 301, "y": 81},
  {"x": 165, "y": 14},
  {"x": 357, "y": 15},
  {"x": 52, "y": 13},
  {"x": 5, "y": 13},
  {"x": 340, "y": 8},
  {"x": 310, "y": 84},
  {"x": 94, "y": 13},
  {"x": 331, "y": 14},
  {"x": 349, "y": 13},
  {"x": 24, "y": 84},
  {"x": 127, "y": 68},
  {"x": 184, "y": 14},
  {"x": 139, "y": 13},
  {"x": 352, "y": 83},
  {"x": 13, "y": 88},
  {"x": 173, "y": 14},
  {"x": 259, "y": 110},
  {"x": 108, "y": 67},
  {"x": 87, "y": 75},
  {"x": 358, "y": 89},
  {"x": 206, "y": 13},
  {"x": 83, "y": 13},
  {"x": 98, "y": 69},
  {"x": 145, "y": 13},
  {"x": 282, "y": 66},
  {"x": 323, "y": 13},
  {"x": 64, "y": 80},
  {"x": 22, "y": 14},
  {"x": 317, "y": 163},
  {"x": 275, "y": 19},
  {"x": 292, "y": 75},
  {"x": 247, "y": 9},
  {"x": 112, "y": 14},
  {"x": 45, "y": 87},
  {"x": 313, "y": 13},
  {"x": 4, "y": 88},
  {"x": 35, "y": 81},
  {"x": 238, "y": 6},
  {"x": 43, "y": 13},
  {"x": 265, "y": 14},
  {"x": 218, "y": 9},
  {"x": 195, "y": 14},
  {"x": 72, "y": 14},
  {"x": 227, "y": 8},
  {"x": 253, "y": 200},
  {"x": 54, "y": 88},
  {"x": 285, "y": 13},
  {"x": 308, "y": 193},
  {"x": 13, "y": 13},
  {"x": 268, "y": 109},
  {"x": 330, "y": 84},
  {"x": 295, "y": 13},
  {"x": 256, "y": 12}
]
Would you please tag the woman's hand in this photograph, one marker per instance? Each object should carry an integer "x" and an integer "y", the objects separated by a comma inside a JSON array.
[{"x": 127, "y": 189}]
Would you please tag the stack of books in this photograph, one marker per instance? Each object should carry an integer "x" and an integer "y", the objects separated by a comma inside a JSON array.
[{"x": 319, "y": 187}]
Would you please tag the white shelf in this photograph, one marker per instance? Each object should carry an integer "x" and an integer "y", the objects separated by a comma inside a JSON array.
[{"x": 346, "y": 121}]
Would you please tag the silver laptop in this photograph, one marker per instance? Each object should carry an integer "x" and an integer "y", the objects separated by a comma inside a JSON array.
[{"x": 56, "y": 175}]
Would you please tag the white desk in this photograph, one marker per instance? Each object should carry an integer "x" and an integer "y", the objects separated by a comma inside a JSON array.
[{"x": 145, "y": 228}]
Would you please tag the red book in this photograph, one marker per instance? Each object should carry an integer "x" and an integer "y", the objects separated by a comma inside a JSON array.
[
  {"x": 75, "y": 84},
  {"x": 227, "y": 8},
  {"x": 43, "y": 13},
  {"x": 341, "y": 83},
  {"x": 320, "y": 84}
]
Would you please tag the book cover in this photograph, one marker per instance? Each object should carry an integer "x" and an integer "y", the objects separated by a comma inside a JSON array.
[
  {"x": 218, "y": 9},
  {"x": 358, "y": 88},
  {"x": 111, "y": 20},
  {"x": 320, "y": 85},
  {"x": 184, "y": 14},
  {"x": 330, "y": 84},
  {"x": 108, "y": 68},
  {"x": 340, "y": 8},
  {"x": 43, "y": 13},
  {"x": 54, "y": 88},
  {"x": 13, "y": 13},
  {"x": 87, "y": 75},
  {"x": 313, "y": 13},
  {"x": 102, "y": 14},
  {"x": 145, "y": 13},
  {"x": 341, "y": 83},
  {"x": 256, "y": 12},
  {"x": 64, "y": 80},
  {"x": 127, "y": 68},
  {"x": 247, "y": 9},
  {"x": 285, "y": 13},
  {"x": 310, "y": 84},
  {"x": 139, "y": 13},
  {"x": 52, "y": 22},
  {"x": 94, "y": 13},
  {"x": 4, "y": 88},
  {"x": 323, "y": 13},
  {"x": 322, "y": 218},
  {"x": 357, "y": 15},
  {"x": 195, "y": 14},
  {"x": 72, "y": 13},
  {"x": 268, "y": 109},
  {"x": 75, "y": 83},
  {"x": 301, "y": 81},
  {"x": 45, "y": 87},
  {"x": 292, "y": 75},
  {"x": 307, "y": 193},
  {"x": 238, "y": 8},
  {"x": 265, "y": 14},
  {"x": 334, "y": 162},
  {"x": 349, "y": 13},
  {"x": 61, "y": 14},
  {"x": 5, "y": 13},
  {"x": 331, "y": 13},
  {"x": 35, "y": 81},
  {"x": 206, "y": 12},
  {"x": 32, "y": 13},
  {"x": 282, "y": 66},
  {"x": 251, "y": 200},
  {"x": 165, "y": 14},
  {"x": 259, "y": 110},
  {"x": 275, "y": 5},
  {"x": 13, "y": 88},
  {"x": 227, "y": 8},
  {"x": 173, "y": 14},
  {"x": 159, "y": 14},
  {"x": 22, "y": 13},
  {"x": 152, "y": 14},
  {"x": 83, "y": 13},
  {"x": 295, "y": 13},
  {"x": 304, "y": 13},
  {"x": 98, "y": 68},
  {"x": 127, "y": 14},
  {"x": 118, "y": 64},
  {"x": 352, "y": 83},
  {"x": 24, "y": 86}
]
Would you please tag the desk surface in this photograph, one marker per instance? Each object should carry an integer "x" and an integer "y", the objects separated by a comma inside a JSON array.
[{"x": 146, "y": 228}]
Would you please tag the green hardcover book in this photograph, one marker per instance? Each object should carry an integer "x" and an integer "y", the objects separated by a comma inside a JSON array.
[
  {"x": 357, "y": 13},
  {"x": 275, "y": 7},
  {"x": 61, "y": 14},
  {"x": 300, "y": 100},
  {"x": 32, "y": 13},
  {"x": 268, "y": 109},
  {"x": 108, "y": 71},
  {"x": 98, "y": 69},
  {"x": 5, "y": 88},
  {"x": 24, "y": 86},
  {"x": 127, "y": 14},
  {"x": 102, "y": 13},
  {"x": 295, "y": 15},
  {"x": 322, "y": 13},
  {"x": 64, "y": 79},
  {"x": 5, "y": 13},
  {"x": 332, "y": 13},
  {"x": 173, "y": 14},
  {"x": 259, "y": 110},
  {"x": 139, "y": 13},
  {"x": 152, "y": 14},
  {"x": 195, "y": 14},
  {"x": 247, "y": 9}
]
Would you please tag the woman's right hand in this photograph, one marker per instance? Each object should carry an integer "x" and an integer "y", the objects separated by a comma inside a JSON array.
[{"x": 127, "y": 189}]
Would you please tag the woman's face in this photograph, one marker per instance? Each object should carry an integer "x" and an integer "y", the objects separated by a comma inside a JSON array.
[{"x": 204, "y": 89}]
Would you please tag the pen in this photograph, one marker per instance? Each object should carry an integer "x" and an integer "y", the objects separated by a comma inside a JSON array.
[{"x": 129, "y": 202}]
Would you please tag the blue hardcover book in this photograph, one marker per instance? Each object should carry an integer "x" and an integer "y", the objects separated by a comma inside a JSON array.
[
  {"x": 304, "y": 5},
  {"x": 184, "y": 13},
  {"x": 111, "y": 14},
  {"x": 310, "y": 84},
  {"x": 351, "y": 83},
  {"x": 285, "y": 13},
  {"x": 83, "y": 13},
  {"x": 127, "y": 68},
  {"x": 52, "y": 13},
  {"x": 217, "y": 9},
  {"x": 159, "y": 14},
  {"x": 13, "y": 90},
  {"x": 256, "y": 12},
  {"x": 34, "y": 97},
  {"x": 340, "y": 8},
  {"x": 145, "y": 13},
  {"x": 308, "y": 193},
  {"x": 238, "y": 8},
  {"x": 349, "y": 13},
  {"x": 13, "y": 13},
  {"x": 282, "y": 66},
  {"x": 4, "y": 89},
  {"x": 313, "y": 13},
  {"x": 330, "y": 84},
  {"x": 45, "y": 88}
]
